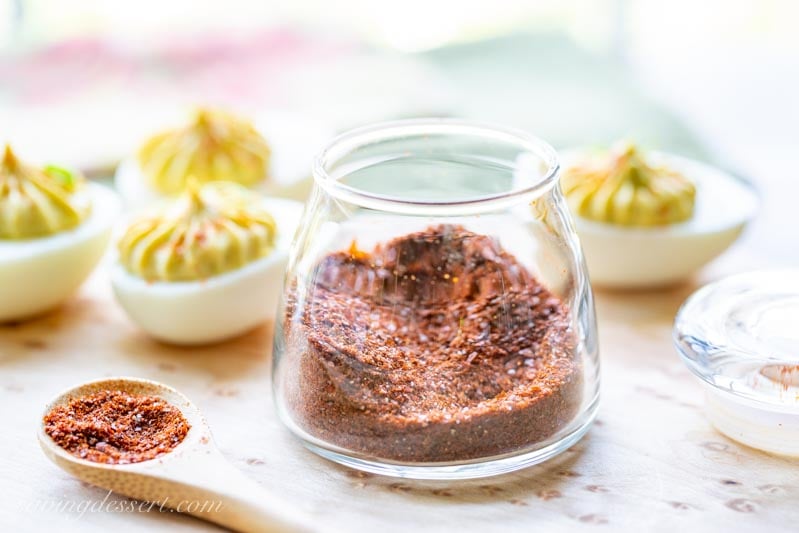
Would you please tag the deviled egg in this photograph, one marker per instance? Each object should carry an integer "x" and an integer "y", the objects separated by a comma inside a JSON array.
[
  {"x": 651, "y": 219},
  {"x": 54, "y": 227},
  {"x": 207, "y": 267},
  {"x": 213, "y": 146}
]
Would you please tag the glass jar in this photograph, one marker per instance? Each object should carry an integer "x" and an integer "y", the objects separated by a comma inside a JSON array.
[{"x": 437, "y": 321}]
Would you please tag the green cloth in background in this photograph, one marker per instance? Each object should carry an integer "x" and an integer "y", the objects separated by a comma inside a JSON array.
[{"x": 548, "y": 85}]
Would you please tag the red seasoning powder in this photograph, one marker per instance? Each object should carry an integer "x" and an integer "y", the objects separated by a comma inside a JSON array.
[
  {"x": 435, "y": 346},
  {"x": 115, "y": 427}
]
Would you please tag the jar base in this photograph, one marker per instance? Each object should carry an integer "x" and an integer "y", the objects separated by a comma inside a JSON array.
[{"x": 478, "y": 468}]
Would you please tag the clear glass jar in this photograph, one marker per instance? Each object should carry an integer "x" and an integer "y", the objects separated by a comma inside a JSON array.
[{"x": 437, "y": 321}]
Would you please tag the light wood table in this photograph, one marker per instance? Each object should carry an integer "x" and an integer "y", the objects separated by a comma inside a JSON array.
[{"x": 651, "y": 461}]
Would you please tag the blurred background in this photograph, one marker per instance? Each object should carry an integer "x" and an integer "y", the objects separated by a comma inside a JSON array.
[{"x": 83, "y": 81}]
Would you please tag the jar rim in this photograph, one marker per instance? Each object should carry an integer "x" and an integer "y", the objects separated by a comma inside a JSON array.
[{"x": 351, "y": 140}]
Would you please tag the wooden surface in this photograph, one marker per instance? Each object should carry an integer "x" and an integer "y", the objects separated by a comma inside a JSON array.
[{"x": 651, "y": 460}]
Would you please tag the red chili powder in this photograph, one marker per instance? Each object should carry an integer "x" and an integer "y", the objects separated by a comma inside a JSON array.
[{"x": 115, "y": 427}]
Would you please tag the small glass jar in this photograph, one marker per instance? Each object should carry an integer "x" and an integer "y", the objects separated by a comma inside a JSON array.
[{"x": 437, "y": 321}]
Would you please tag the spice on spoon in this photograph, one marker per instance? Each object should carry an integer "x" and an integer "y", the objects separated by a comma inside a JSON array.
[{"x": 116, "y": 427}]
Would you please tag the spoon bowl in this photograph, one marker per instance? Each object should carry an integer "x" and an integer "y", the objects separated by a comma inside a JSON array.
[{"x": 193, "y": 478}]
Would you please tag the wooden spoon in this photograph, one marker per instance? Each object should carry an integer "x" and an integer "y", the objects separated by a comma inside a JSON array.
[{"x": 194, "y": 477}]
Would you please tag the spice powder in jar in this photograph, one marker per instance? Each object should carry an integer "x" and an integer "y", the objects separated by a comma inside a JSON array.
[
  {"x": 436, "y": 346},
  {"x": 116, "y": 427}
]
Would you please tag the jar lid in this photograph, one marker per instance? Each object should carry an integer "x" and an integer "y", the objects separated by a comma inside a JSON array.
[{"x": 740, "y": 336}]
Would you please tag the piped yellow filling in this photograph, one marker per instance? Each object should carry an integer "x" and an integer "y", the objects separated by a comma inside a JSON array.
[
  {"x": 209, "y": 230},
  {"x": 623, "y": 188},
  {"x": 38, "y": 202},
  {"x": 215, "y": 146}
]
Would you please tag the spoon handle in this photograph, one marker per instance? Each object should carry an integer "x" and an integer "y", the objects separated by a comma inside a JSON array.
[{"x": 212, "y": 489}]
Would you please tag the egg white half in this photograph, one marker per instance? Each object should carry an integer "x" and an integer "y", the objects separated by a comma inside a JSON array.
[
  {"x": 630, "y": 257},
  {"x": 217, "y": 308},
  {"x": 38, "y": 274}
]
